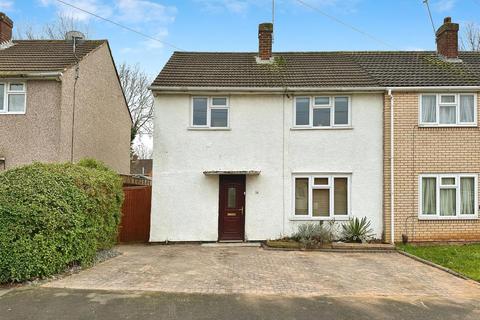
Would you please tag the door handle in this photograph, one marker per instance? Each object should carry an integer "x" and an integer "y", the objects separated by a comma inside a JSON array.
[{"x": 242, "y": 211}]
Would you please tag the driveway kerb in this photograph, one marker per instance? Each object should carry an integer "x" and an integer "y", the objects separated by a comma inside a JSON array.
[{"x": 432, "y": 264}]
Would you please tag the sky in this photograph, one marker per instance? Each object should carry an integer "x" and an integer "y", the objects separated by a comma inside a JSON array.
[{"x": 232, "y": 25}]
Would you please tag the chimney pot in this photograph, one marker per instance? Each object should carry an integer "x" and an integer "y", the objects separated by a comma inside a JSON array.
[
  {"x": 447, "y": 39},
  {"x": 6, "y": 26},
  {"x": 265, "y": 37}
]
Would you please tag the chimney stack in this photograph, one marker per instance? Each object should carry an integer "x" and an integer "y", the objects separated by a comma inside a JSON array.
[
  {"x": 6, "y": 26},
  {"x": 265, "y": 37},
  {"x": 447, "y": 39}
]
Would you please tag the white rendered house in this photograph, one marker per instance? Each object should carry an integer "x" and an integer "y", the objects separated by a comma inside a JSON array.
[{"x": 244, "y": 156}]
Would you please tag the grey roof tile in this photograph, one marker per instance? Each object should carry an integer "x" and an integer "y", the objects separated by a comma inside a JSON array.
[
  {"x": 43, "y": 55},
  {"x": 319, "y": 69}
]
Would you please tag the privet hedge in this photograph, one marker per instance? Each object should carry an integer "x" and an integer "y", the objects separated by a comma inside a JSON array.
[{"x": 56, "y": 215}]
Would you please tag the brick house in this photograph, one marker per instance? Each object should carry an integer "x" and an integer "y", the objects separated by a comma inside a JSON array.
[
  {"x": 274, "y": 139},
  {"x": 60, "y": 100}
]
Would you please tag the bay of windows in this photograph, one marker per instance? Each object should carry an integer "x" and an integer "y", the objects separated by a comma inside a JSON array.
[
  {"x": 322, "y": 111},
  {"x": 12, "y": 97},
  {"x": 448, "y": 109},
  {"x": 448, "y": 196},
  {"x": 321, "y": 197}
]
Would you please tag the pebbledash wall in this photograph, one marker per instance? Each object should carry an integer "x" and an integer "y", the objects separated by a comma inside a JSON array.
[
  {"x": 44, "y": 132},
  {"x": 261, "y": 137},
  {"x": 420, "y": 150}
]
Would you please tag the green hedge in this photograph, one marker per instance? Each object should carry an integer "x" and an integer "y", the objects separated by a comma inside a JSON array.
[{"x": 56, "y": 215}]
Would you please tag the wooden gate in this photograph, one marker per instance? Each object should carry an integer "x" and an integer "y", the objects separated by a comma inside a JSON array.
[{"x": 135, "y": 224}]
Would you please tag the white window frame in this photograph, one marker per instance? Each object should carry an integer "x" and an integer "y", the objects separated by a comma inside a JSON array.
[
  {"x": 7, "y": 92},
  {"x": 210, "y": 107},
  {"x": 330, "y": 105},
  {"x": 456, "y": 104},
  {"x": 330, "y": 186},
  {"x": 439, "y": 186}
]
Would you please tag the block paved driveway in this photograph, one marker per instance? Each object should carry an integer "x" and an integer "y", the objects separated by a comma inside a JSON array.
[{"x": 246, "y": 270}]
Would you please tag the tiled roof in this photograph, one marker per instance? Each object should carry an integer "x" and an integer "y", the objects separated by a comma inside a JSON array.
[
  {"x": 319, "y": 69},
  {"x": 43, "y": 55}
]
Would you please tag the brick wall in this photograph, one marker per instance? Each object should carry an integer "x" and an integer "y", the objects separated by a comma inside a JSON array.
[{"x": 419, "y": 151}]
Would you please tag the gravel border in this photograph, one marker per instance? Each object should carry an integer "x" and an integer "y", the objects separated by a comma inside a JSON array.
[{"x": 432, "y": 264}]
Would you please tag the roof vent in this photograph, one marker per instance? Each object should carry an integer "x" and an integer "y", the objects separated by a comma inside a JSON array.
[{"x": 74, "y": 35}]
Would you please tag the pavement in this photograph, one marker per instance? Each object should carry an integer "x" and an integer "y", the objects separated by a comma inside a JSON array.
[
  {"x": 59, "y": 304},
  {"x": 196, "y": 282}
]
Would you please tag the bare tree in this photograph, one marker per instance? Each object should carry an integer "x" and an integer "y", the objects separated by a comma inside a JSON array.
[
  {"x": 55, "y": 30},
  {"x": 142, "y": 151},
  {"x": 135, "y": 84},
  {"x": 471, "y": 37}
]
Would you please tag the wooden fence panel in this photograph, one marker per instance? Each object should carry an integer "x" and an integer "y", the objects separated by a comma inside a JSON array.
[{"x": 135, "y": 224}]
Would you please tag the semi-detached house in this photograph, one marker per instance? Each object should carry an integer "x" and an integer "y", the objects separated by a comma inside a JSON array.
[
  {"x": 247, "y": 146},
  {"x": 60, "y": 100}
]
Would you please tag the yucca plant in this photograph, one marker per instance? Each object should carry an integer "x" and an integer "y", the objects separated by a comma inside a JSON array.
[{"x": 356, "y": 230}]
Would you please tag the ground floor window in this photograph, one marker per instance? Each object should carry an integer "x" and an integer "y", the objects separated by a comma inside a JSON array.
[
  {"x": 321, "y": 196},
  {"x": 448, "y": 196}
]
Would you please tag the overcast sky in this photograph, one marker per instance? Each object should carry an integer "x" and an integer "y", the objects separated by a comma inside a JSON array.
[{"x": 231, "y": 25}]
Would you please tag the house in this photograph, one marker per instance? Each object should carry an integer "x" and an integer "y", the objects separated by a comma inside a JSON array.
[
  {"x": 60, "y": 101},
  {"x": 250, "y": 145}
]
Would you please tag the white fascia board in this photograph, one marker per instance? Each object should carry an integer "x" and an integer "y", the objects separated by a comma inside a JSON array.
[{"x": 274, "y": 90}]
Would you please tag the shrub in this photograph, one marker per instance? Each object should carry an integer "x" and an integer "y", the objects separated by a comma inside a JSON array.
[
  {"x": 356, "y": 230},
  {"x": 313, "y": 235},
  {"x": 56, "y": 215}
]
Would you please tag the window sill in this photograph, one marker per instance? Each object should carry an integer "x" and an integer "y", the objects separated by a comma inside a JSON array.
[
  {"x": 336, "y": 218},
  {"x": 207, "y": 129},
  {"x": 321, "y": 128},
  {"x": 447, "y": 126},
  {"x": 12, "y": 113},
  {"x": 453, "y": 218}
]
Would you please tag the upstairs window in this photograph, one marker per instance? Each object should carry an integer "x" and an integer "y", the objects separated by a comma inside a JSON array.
[
  {"x": 12, "y": 97},
  {"x": 448, "y": 110},
  {"x": 322, "y": 111},
  {"x": 210, "y": 112}
]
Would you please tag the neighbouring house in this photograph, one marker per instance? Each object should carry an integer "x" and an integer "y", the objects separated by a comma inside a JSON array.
[
  {"x": 141, "y": 167},
  {"x": 250, "y": 145},
  {"x": 60, "y": 100}
]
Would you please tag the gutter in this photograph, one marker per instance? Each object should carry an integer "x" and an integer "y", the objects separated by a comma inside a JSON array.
[
  {"x": 49, "y": 75},
  {"x": 281, "y": 90},
  {"x": 392, "y": 169}
]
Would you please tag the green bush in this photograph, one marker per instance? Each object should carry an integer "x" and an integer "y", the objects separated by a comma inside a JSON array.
[{"x": 56, "y": 215}]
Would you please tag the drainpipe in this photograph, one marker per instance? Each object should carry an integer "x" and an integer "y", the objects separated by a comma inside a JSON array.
[{"x": 392, "y": 171}]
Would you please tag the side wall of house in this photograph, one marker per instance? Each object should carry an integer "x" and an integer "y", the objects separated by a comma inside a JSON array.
[
  {"x": 421, "y": 151},
  {"x": 33, "y": 136},
  {"x": 185, "y": 201},
  {"x": 102, "y": 122}
]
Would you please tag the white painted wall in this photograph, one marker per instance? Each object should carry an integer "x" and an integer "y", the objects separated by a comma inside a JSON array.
[{"x": 185, "y": 201}]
